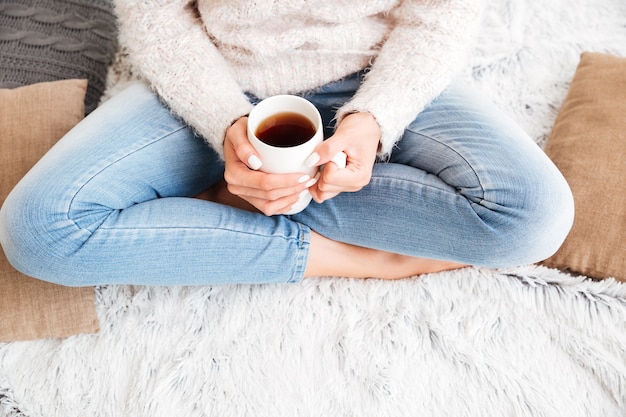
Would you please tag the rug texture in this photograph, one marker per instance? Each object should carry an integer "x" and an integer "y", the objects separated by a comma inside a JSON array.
[{"x": 526, "y": 341}]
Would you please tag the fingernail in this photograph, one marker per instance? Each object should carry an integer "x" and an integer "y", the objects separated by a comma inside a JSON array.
[
  {"x": 303, "y": 194},
  {"x": 303, "y": 179},
  {"x": 340, "y": 160},
  {"x": 254, "y": 162},
  {"x": 312, "y": 159},
  {"x": 312, "y": 182}
]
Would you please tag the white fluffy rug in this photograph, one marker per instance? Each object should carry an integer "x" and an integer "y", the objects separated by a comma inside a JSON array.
[{"x": 528, "y": 341}]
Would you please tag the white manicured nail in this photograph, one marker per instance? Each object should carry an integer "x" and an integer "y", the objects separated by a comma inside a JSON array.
[
  {"x": 303, "y": 194},
  {"x": 304, "y": 178},
  {"x": 254, "y": 162},
  {"x": 312, "y": 182},
  {"x": 340, "y": 160},
  {"x": 312, "y": 159}
]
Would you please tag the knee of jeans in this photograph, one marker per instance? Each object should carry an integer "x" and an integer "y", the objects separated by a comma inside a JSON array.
[
  {"x": 38, "y": 239},
  {"x": 539, "y": 226},
  {"x": 554, "y": 220}
]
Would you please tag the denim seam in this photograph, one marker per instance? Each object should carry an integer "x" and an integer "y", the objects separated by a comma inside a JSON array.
[
  {"x": 482, "y": 198},
  {"x": 198, "y": 228},
  {"x": 301, "y": 254},
  {"x": 300, "y": 241},
  {"x": 69, "y": 209}
]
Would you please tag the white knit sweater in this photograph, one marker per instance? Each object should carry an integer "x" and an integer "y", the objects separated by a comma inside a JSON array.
[{"x": 201, "y": 58}]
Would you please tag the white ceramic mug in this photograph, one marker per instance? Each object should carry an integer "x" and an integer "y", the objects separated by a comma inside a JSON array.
[{"x": 285, "y": 160}]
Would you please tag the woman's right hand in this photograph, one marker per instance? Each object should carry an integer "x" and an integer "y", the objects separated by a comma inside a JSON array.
[{"x": 269, "y": 193}]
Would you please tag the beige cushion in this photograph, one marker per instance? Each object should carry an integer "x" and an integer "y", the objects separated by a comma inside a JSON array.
[
  {"x": 32, "y": 119},
  {"x": 588, "y": 144}
]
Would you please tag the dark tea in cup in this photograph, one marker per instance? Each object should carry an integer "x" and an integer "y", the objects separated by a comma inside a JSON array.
[{"x": 285, "y": 129}]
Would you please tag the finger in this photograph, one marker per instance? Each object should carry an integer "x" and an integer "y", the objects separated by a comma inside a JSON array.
[
  {"x": 274, "y": 194},
  {"x": 327, "y": 151},
  {"x": 274, "y": 207},
  {"x": 321, "y": 196},
  {"x": 340, "y": 159},
  {"x": 241, "y": 177},
  {"x": 334, "y": 179},
  {"x": 323, "y": 191},
  {"x": 238, "y": 138}
]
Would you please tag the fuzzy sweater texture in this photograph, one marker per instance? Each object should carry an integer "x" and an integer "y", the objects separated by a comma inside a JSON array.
[{"x": 202, "y": 56}]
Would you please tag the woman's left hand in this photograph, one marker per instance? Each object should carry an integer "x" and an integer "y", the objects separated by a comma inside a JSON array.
[{"x": 358, "y": 136}]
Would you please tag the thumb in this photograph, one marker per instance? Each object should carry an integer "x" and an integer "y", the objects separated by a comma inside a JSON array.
[
  {"x": 237, "y": 135},
  {"x": 327, "y": 152}
]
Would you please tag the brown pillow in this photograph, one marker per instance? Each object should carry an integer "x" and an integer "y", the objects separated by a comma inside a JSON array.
[
  {"x": 32, "y": 119},
  {"x": 588, "y": 144}
]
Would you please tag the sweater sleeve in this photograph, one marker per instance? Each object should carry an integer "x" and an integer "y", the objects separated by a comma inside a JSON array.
[
  {"x": 417, "y": 61},
  {"x": 169, "y": 47}
]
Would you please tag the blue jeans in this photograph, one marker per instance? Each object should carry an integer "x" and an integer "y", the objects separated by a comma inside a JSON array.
[{"x": 109, "y": 204}]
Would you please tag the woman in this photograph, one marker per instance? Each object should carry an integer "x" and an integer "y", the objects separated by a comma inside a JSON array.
[{"x": 436, "y": 177}]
